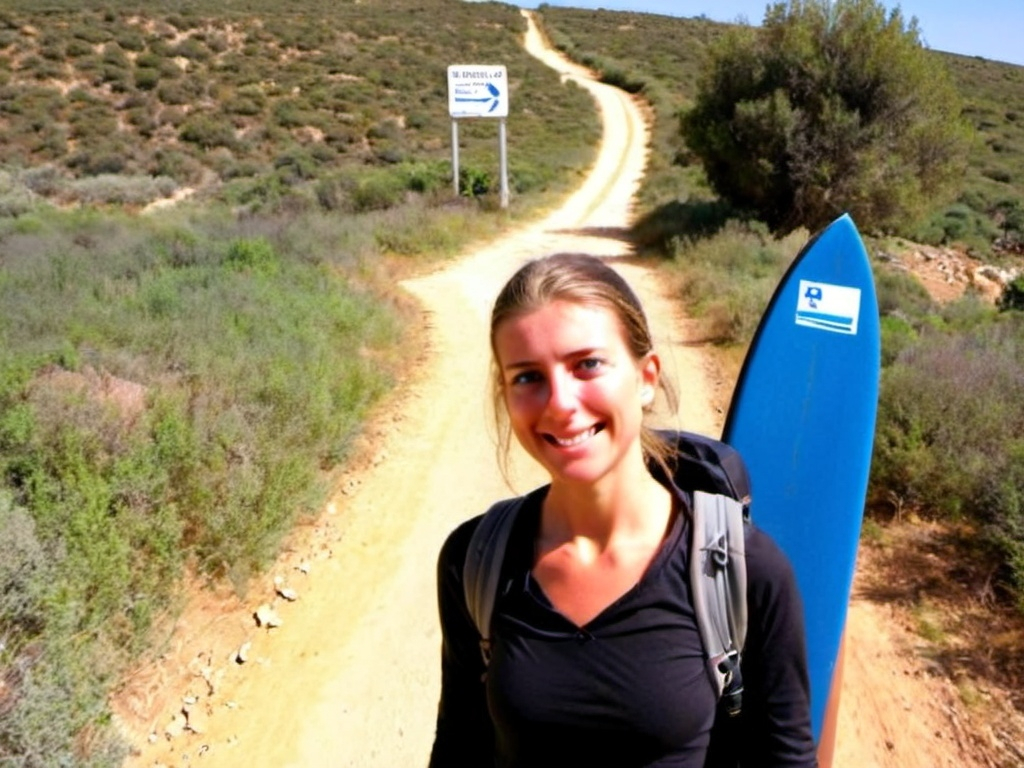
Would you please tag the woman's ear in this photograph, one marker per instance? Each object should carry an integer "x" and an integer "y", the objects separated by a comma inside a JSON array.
[{"x": 650, "y": 371}]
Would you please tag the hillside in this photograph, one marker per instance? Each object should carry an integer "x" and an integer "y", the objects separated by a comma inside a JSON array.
[
  {"x": 106, "y": 103},
  {"x": 183, "y": 391}
]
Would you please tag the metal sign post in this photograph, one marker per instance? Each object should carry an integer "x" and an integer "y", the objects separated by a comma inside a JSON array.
[
  {"x": 479, "y": 91},
  {"x": 455, "y": 155},
  {"x": 502, "y": 165}
]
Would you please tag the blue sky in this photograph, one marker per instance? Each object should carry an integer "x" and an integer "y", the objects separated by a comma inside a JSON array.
[{"x": 993, "y": 28}]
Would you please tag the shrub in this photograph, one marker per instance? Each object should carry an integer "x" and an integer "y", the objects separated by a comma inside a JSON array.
[
  {"x": 630, "y": 83},
  {"x": 742, "y": 259},
  {"x": 177, "y": 91},
  {"x": 104, "y": 160},
  {"x": 119, "y": 189},
  {"x": 146, "y": 79},
  {"x": 902, "y": 293},
  {"x": 828, "y": 107},
  {"x": 960, "y": 223},
  {"x": 77, "y": 47},
  {"x": 475, "y": 182},
  {"x": 949, "y": 425},
  {"x": 897, "y": 335},
  {"x": 253, "y": 255},
  {"x": 428, "y": 177},
  {"x": 295, "y": 165},
  {"x": 377, "y": 191},
  {"x": 1013, "y": 295},
  {"x": 192, "y": 48},
  {"x": 208, "y": 131},
  {"x": 26, "y": 568}
]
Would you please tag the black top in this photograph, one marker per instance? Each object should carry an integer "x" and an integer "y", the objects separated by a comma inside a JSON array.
[{"x": 630, "y": 687}]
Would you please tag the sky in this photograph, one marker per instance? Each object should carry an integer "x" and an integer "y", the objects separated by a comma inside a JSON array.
[{"x": 993, "y": 29}]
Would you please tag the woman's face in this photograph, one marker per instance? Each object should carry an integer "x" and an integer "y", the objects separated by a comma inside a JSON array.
[{"x": 574, "y": 392}]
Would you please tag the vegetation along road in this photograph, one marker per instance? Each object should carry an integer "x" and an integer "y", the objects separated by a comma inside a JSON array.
[{"x": 348, "y": 673}]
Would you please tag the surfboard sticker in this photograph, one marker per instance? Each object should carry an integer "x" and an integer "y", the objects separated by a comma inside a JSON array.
[{"x": 828, "y": 307}]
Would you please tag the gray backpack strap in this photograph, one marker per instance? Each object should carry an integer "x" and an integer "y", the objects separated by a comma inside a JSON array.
[
  {"x": 482, "y": 569},
  {"x": 718, "y": 580}
]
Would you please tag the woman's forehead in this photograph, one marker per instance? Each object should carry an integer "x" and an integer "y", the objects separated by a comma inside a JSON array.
[{"x": 563, "y": 324}]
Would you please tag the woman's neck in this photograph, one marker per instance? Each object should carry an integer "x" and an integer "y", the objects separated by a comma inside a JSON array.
[{"x": 628, "y": 503}]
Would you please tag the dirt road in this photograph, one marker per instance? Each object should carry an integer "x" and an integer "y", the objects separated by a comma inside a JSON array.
[{"x": 351, "y": 677}]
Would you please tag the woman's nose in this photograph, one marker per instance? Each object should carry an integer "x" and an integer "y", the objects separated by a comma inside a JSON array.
[{"x": 564, "y": 392}]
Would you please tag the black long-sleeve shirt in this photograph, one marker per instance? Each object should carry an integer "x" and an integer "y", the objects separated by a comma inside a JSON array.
[{"x": 630, "y": 687}]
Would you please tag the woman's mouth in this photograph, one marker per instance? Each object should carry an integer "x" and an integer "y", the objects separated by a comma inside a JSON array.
[{"x": 573, "y": 440}]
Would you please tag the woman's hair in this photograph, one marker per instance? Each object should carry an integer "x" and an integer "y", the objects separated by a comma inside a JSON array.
[{"x": 576, "y": 278}]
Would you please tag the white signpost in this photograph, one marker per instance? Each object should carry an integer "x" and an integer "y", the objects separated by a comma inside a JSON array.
[{"x": 477, "y": 90}]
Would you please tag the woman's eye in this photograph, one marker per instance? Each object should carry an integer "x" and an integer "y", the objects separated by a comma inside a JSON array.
[
  {"x": 589, "y": 365},
  {"x": 526, "y": 377}
]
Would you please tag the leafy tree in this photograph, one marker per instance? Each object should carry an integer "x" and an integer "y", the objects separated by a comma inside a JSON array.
[{"x": 828, "y": 107}]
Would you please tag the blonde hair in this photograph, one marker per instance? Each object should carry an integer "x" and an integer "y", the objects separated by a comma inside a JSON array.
[{"x": 580, "y": 279}]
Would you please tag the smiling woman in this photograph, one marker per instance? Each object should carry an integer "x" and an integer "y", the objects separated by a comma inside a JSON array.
[
  {"x": 572, "y": 389},
  {"x": 594, "y": 655}
]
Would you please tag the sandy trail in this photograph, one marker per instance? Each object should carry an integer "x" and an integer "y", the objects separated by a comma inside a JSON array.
[{"x": 351, "y": 677}]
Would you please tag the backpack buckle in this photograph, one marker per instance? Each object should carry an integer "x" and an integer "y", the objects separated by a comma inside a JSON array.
[{"x": 732, "y": 688}]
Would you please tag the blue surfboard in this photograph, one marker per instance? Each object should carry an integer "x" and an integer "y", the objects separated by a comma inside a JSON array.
[{"x": 803, "y": 417}]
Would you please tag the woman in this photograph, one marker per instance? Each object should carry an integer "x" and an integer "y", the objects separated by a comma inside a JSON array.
[{"x": 596, "y": 658}]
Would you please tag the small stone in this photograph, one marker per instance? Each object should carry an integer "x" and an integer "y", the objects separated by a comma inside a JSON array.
[
  {"x": 303, "y": 567},
  {"x": 196, "y": 721},
  {"x": 288, "y": 593},
  {"x": 176, "y": 727},
  {"x": 242, "y": 655},
  {"x": 267, "y": 617}
]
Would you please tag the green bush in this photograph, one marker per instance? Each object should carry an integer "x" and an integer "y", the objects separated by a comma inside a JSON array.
[
  {"x": 247, "y": 354},
  {"x": 475, "y": 182},
  {"x": 1013, "y": 295},
  {"x": 960, "y": 224},
  {"x": 207, "y": 131},
  {"x": 146, "y": 79},
  {"x": 828, "y": 107},
  {"x": 898, "y": 334},
  {"x": 192, "y": 48},
  {"x": 255, "y": 255},
  {"x": 729, "y": 278},
  {"x": 119, "y": 189},
  {"x": 378, "y": 191},
  {"x": 900, "y": 291},
  {"x": 629, "y": 82},
  {"x": 949, "y": 432},
  {"x": 177, "y": 92},
  {"x": 25, "y": 565}
]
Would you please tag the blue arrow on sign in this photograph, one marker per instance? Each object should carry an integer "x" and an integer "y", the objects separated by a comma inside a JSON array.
[{"x": 493, "y": 98}]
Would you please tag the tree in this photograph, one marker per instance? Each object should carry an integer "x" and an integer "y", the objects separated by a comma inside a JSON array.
[{"x": 829, "y": 107}]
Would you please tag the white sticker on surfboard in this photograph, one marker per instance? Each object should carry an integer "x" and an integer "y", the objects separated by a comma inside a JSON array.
[{"x": 828, "y": 307}]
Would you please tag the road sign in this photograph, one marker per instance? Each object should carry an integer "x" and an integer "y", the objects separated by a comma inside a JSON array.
[{"x": 477, "y": 91}]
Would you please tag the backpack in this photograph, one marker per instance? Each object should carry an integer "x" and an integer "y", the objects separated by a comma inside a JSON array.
[{"x": 716, "y": 474}]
